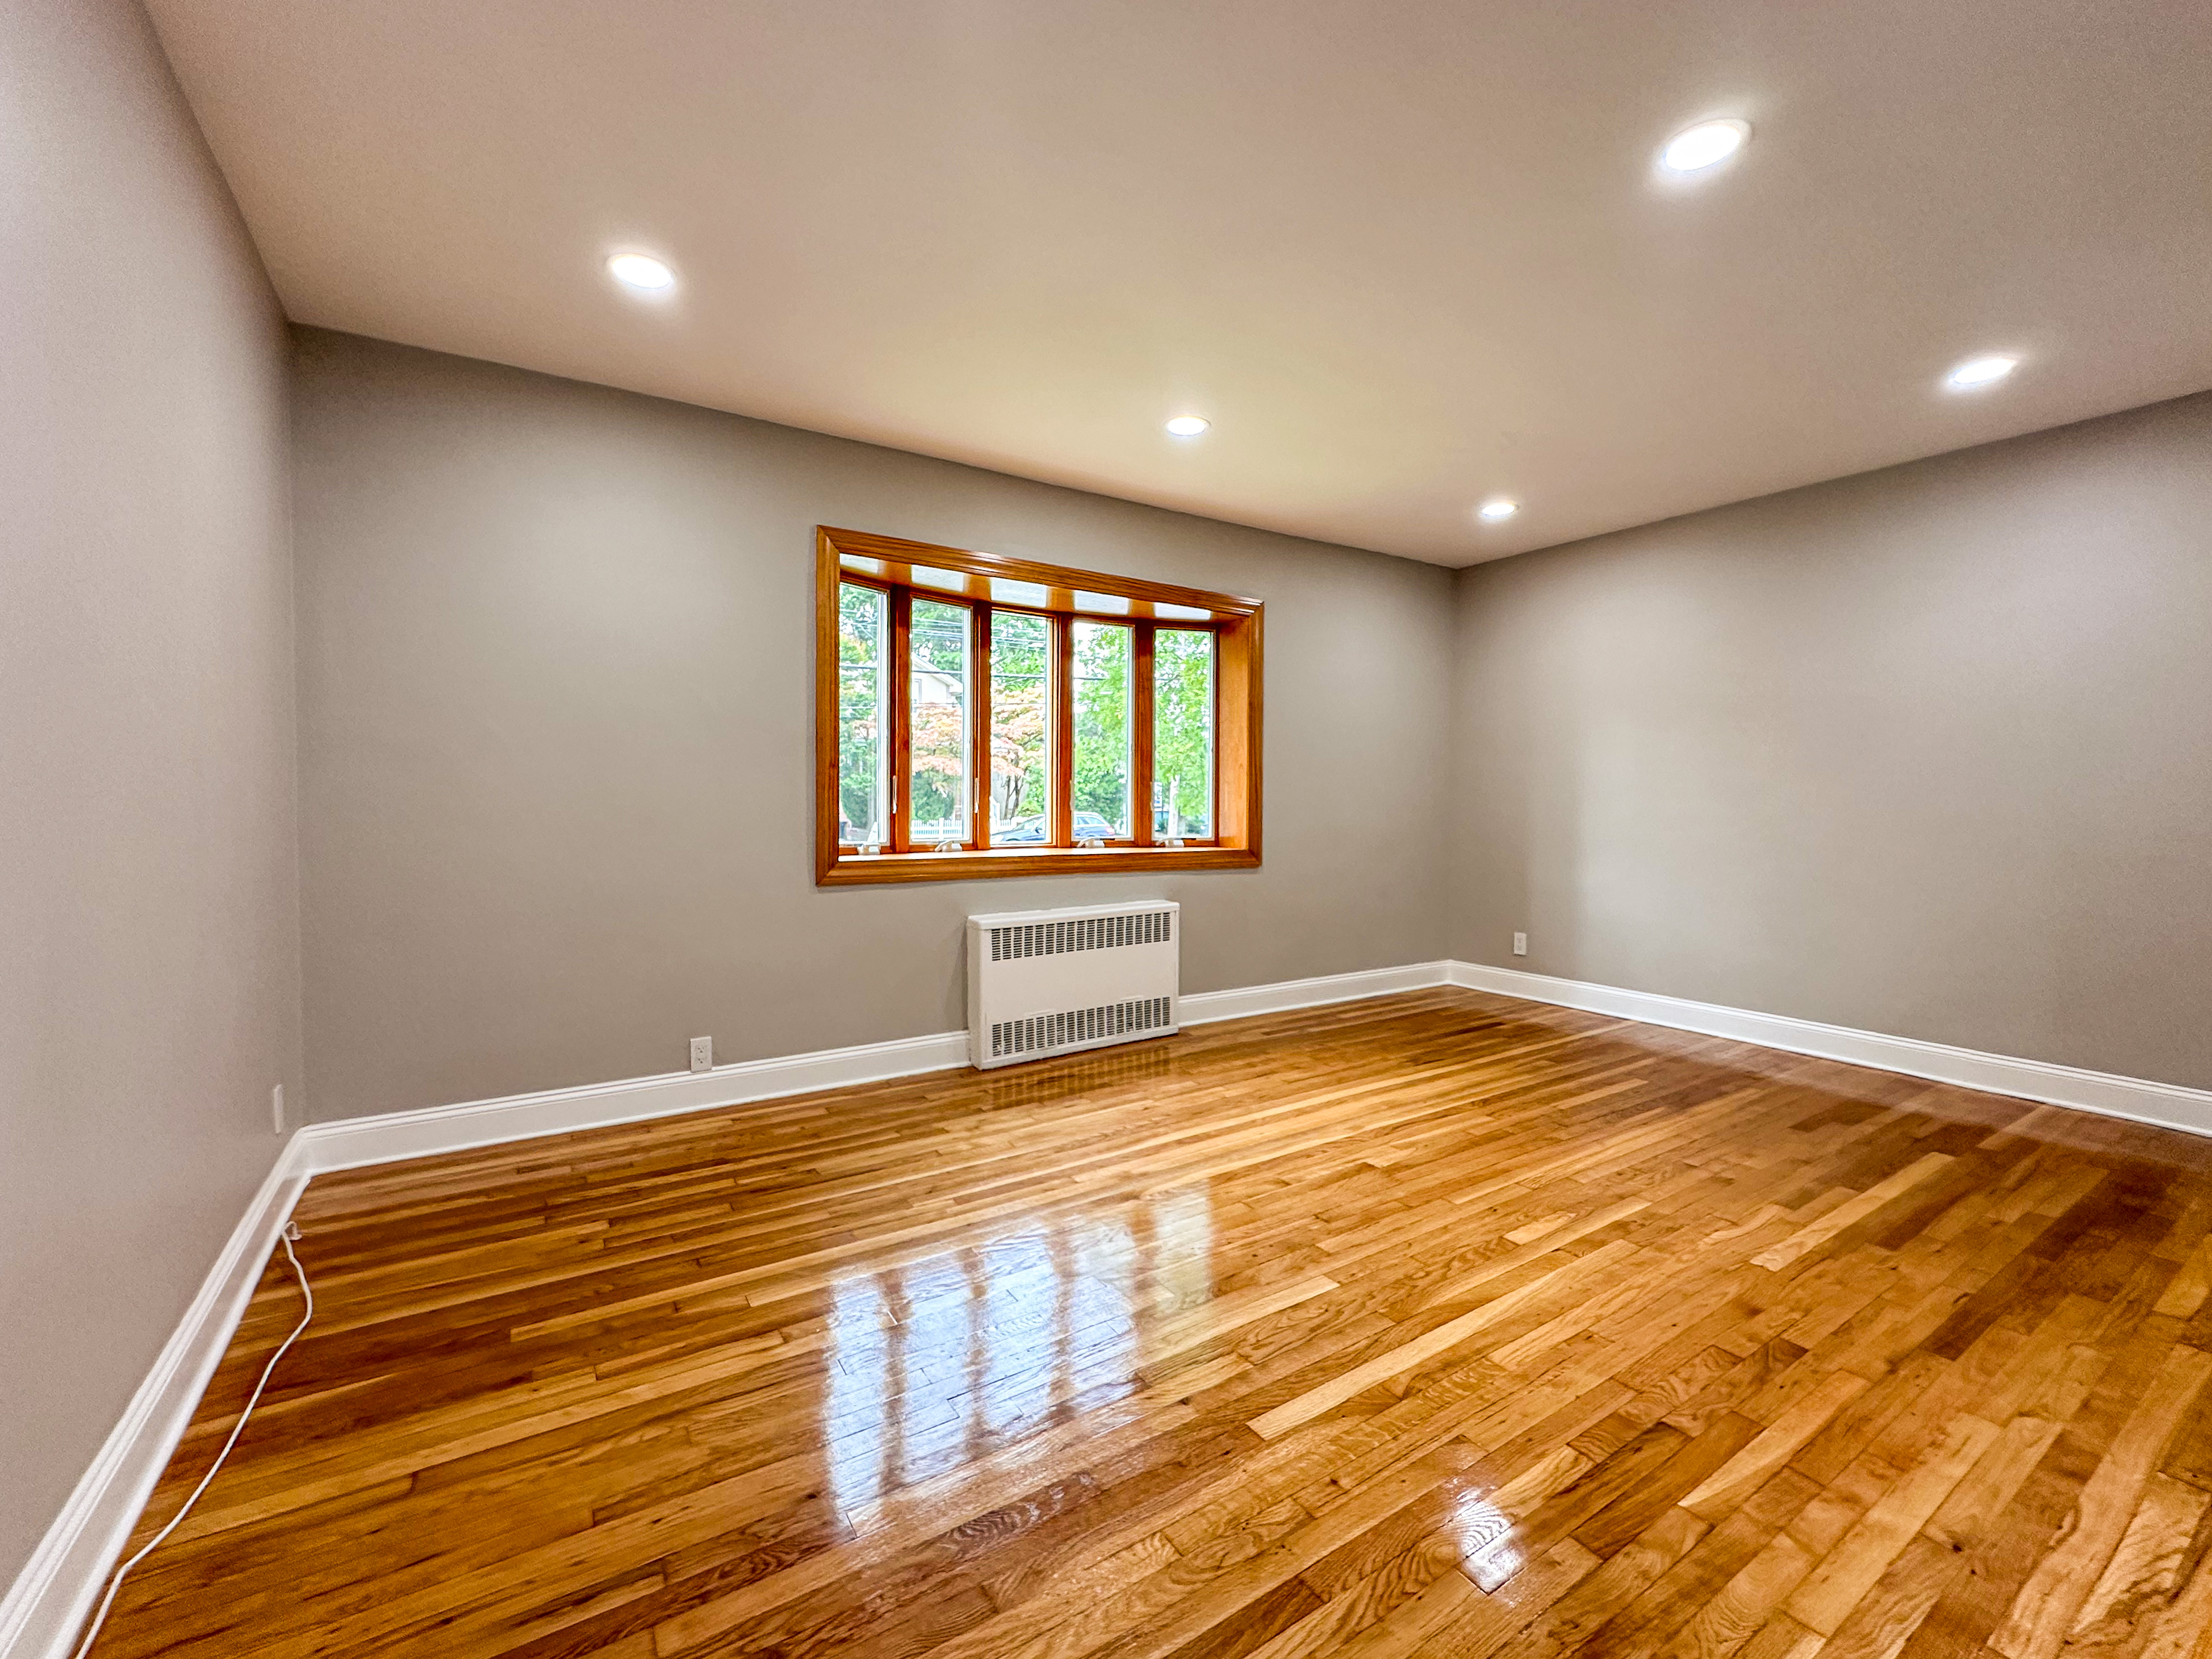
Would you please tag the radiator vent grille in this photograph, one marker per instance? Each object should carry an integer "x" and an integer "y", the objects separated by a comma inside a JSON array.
[
  {"x": 1041, "y": 1032},
  {"x": 1051, "y": 938}
]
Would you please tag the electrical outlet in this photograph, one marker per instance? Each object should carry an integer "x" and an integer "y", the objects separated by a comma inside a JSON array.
[
  {"x": 703, "y": 1054},
  {"x": 276, "y": 1108},
  {"x": 1520, "y": 944}
]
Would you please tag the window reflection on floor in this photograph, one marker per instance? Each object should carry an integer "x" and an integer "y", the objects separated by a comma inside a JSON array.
[{"x": 938, "y": 1362}]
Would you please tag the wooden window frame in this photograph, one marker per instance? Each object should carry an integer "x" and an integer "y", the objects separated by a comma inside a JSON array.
[{"x": 887, "y": 562}]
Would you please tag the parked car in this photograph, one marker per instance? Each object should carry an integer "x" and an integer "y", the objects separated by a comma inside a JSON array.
[{"x": 1088, "y": 826}]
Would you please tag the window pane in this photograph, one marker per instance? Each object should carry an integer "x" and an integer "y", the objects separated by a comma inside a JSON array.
[
  {"x": 1182, "y": 734},
  {"x": 863, "y": 733},
  {"x": 1021, "y": 729},
  {"x": 938, "y": 709},
  {"x": 1102, "y": 730}
]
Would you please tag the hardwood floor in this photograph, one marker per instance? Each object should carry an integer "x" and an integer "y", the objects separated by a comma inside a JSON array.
[{"x": 1437, "y": 1325}]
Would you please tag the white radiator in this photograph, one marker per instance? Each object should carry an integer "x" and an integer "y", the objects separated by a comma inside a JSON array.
[{"x": 1051, "y": 981}]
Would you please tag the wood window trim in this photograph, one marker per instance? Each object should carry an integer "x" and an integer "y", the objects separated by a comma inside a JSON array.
[{"x": 1236, "y": 626}]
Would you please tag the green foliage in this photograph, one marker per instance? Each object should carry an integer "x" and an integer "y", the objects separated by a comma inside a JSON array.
[
  {"x": 1102, "y": 671},
  {"x": 1021, "y": 678},
  {"x": 1020, "y": 736},
  {"x": 862, "y": 764},
  {"x": 939, "y": 718},
  {"x": 1182, "y": 732}
]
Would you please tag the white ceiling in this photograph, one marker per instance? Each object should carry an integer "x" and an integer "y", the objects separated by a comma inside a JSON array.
[{"x": 1405, "y": 255}]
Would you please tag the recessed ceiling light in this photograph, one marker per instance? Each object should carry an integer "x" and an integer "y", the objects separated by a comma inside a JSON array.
[
  {"x": 1978, "y": 372},
  {"x": 1707, "y": 144},
  {"x": 1497, "y": 510},
  {"x": 641, "y": 272},
  {"x": 1189, "y": 425}
]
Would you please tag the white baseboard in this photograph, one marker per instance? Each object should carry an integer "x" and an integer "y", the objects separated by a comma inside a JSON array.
[
  {"x": 50, "y": 1597},
  {"x": 2168, "y": 1105},
  {"x": 348, "y": 1143},
  {"x": 1203, "y": 1007}
]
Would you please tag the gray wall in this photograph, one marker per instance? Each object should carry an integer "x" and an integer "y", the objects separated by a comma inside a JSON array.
[
  {"x": 556, "y": 738},
  {"x": 149, "y": 934},
  {"x": 1925, "y": 752}
]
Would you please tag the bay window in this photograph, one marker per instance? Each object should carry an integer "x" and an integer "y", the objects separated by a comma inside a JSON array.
[{"x": 982, "y": 716}]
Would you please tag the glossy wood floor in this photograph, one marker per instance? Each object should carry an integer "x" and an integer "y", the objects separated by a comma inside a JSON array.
[{"x": 1435, "y": 1325}]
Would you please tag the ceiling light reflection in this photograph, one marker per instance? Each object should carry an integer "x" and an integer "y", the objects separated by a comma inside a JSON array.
[{"x": 1479, "y": 1527}]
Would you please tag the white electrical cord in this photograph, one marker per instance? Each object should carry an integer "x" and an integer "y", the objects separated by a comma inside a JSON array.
[{"x": 115, "y": 1583}]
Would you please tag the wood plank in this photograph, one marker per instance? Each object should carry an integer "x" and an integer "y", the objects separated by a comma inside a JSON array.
[
  {"x": 1849, "y": 1570},
  {"x": 1437, "y": 1324},
  {"x": 1728, "y": 1486},
  {"x": 2043, "y": 1612},
  {"x": 1815, "y": 1234},
  {"x": 1441, "y": 1338}
]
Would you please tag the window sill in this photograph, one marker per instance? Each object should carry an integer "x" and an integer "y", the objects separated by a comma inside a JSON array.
[{"x": 855, "y": 869}]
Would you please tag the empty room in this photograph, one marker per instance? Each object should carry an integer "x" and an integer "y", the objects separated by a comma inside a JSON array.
[{"x": 1037, "y": 829}]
